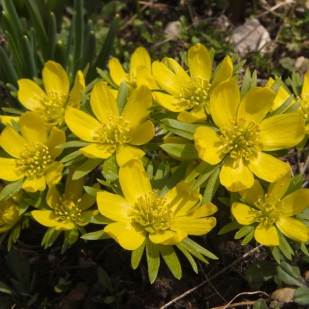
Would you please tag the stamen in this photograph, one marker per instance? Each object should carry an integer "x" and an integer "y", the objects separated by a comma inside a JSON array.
[{"x": 68, "y": 208}]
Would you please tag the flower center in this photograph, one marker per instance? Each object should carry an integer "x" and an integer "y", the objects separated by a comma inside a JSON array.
[
  {"x": 113, "y": 131},
  {"x": 51, "y": 108},
  {"x": 68, "y": 209},
  {"x": 241, "y": 139},
  {"x": 33, "y": 160},
  {"x": 194, "y": 93},
  {"x": 152, "y": 212},
  {"x": 303, "y": 109},
  {"x": 268, "y": 212}
]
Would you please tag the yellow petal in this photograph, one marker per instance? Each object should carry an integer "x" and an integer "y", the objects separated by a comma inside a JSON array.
[
  {"x": 55, "y": 78},
  {"x": 129, "y": 236},
  {"x": 305, "y": 89},
  {"x": 243, "y": 213},
  {"x": 30, "y": 94},
  {"x": 168, "y": 101},
  {"x": 35, "y": 184},
  {"x": 266, "y": 235},
  {"x": 32, "y": 127},
  {"x": 205, "y": 210},
  {"x": 140, "y": 57},
  {"x": 197, "y": 114},
  {"x": 116, "y": 71},
  {"x": 137, "y": 107},
  {"x": 293, "y": 229},
  {"x": 78, "y": 87},
  {"x": 134, "y": 181},
  {"x": 53, "y": 173},
  {"x": 255, "y": 104},
  {"x": 225, "y": 71},
  {"x": 224, "y": 101},
  {"x": 65, "y": 225},
  {"x": 56, "y": 137},
  {"x": 7, "y": 170},
  {"x": 143, "y": 133},
  {"x": 181, "y": 74},
  {"x": 282, "y": 131},
  {"x": 144, "y": 77},
  {"x": 45, "y": 217},
  {"x": 199, "y": 62},
  {"x": 103, "y": 102},
  {"x": 127, "y": 152},
  {"x": 74, "y": 187},
  {"x": 8, "y": 120},
  {"x": 295, "y": 203},
  {"x": 52, "y": 197},
  {"x": 97, "y": 150},
  {"x": 12, "y": 142},
  {"x": 235, "y": 175},
  {"x": 161, "y": 236},
  {"x": 206, "y": 143},
  {"x": 279, "y": 187},
  {"x": 114, "y": 206},
  {"x": 194, "y": 226},
  {"x": 88, "y": 200},
  {"x": 166, "y": 79},
  {"x": 268, "y": 167},
  {"x": 252, "y": 194},
  {"x": 81, "y": 124}
]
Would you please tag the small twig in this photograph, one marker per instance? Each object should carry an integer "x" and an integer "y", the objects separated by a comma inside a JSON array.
[
  {"x": 211, "y": 278},
  {"x": 244, "y": 303}
]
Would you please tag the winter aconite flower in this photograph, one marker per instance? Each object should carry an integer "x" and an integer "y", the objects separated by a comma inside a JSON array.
[
  {"x": 142, "y": 213},
  {"x": 111, "y": 131},
  {"x": 139, "y": 72},
  {"x": 273, "y": 211},
  {"x": 303, "y": 109},
  {"x": 189, "y": 93},
  {"x": 245, "y": 136},
  {"x": 51, "y": 102},
  {"x": 32, "y": 152},
  {"x": 67, "y": 209}
]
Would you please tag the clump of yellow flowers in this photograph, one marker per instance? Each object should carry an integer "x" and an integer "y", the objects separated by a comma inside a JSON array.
[{"x": 146, "y": 156}]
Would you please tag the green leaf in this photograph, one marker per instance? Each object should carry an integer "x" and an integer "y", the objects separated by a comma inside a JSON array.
[
  {"x": 92, "y": 191},
  {"x": 260, "y": 271},
  {"x": 276, "y": 254},
  {"x": 244, "y": 231},
  {"x": 245, "y": 86},
  {"x": 28, "y": 58},
  {"x": 295, "y": 183},
  {"x": 234, "y": 225},
  {"x": 290, "y": 275},
  {"x": 72, "y": 155},
  {"x": 8, "y": 68},
  {"x": 153, "y": 260},
  {"x": 105, "y": 280},
  {"x": 137, "y": 255},
  {"x": 188, "y": 256},
  {"x": 202, "y": 168},
  {"x": 5, "y": 288},
  {"x": 170, "y": 257},
  {"x": 72, "y": 144},
  {"x": 284, "y": 246},
  {"x": 161, "y": 176},
  {"x": 212, "y": 185},
  {"x": 52, "y": 35},
  {"x": 248, "y": 238},
  {"x": 301, "y": 296},
  {"x": 182, "y": 129},
  {"x": 95, "y": 235},
  {"x": 50, "y": 237},
  {"x": 122, "y": 96},
  {"x": 86, "y": 168},
  {"x": 11, "y": 189},
  {"x": 189, "y": 243},
  {"x": 183, "y": 151},
  {"x": 282, "y": 107},
  {"x": 203, "y": 176},
  {"x": 110, "y": 168},
  {"x": 260, "y": 304}
]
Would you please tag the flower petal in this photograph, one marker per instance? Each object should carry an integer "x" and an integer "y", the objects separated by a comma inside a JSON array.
[
  {"x": 243, "y": 213},
  {"x": 161, "y": 236},
  {"x": 7, "y": 170},
  {"x": 12, "y": 142},
  {"x": 140, "y": 57},
  {"x": 56, "y": 137},
  {"x": 74, "y": 187},
  {"x": 268, "y": 168},
  {"x": 199, "y": 62},
  {"x": 224, "y": 101},
  {"x": 52, "y": 197},
  {"x": 235, "y": 175},
  {"x": 35, "y": 184},
  {"x": 305, "y": 89},
  {"x": 87, "y": 200},
  {"x": 55, "y": 78},
  {"x": 30, "y": 94},
  {"x": 129, "y": 236},
  {"x": 194, "y": 226},
  {"x": 103, "y": 102},
  {"x": 143, "y": 133},
  {"x": 168, "y": 101},
  {"x": 266, "y": 235},
  {"x": 45, "y": 217},
  {"x": 53, "y": 173},
  {"x": 81, "y": 124},
  {"x": 134, "y": 181},
  {"x": 279, "y": 187},
  {"x": 293, "y": 229},
  {"x": 207, "y": 143},
  {"x": 127, "y": 152},
  {"x": 116, "y": 71},
  {"x": 97, "y": 150},
  {"x": 32, "y": 127},
  {"x": 225, "y": 71},
  {"x": 255, "y": 104},
  {"x": 295, "y": 203},
  {"x": 114, "y": 206},
  {"x": 144, "y": 77},
  {"x": 282, "y": 131},
  {"x": 137, "y": 107},
  {"x": 252, "y": 194},
  {"x": 78, "y": 87}
]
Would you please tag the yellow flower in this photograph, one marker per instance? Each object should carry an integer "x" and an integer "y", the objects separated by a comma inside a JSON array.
[
  {"x": 303, "y": 109},
  {"x": 140, "y": 70},
  {"x": 33, "y": 153},
  {"x": 273, "y": 211},
  {"x": 9, "y": 212},
  {"x": 245, "y": 136},
  {"x": 142, "y": 214},
  {"x": 51, "y": 103},
  {"x": 189, "y": 94},
  {"x": 111, "y": 132},
  {"x": 68, "y": 209}
]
